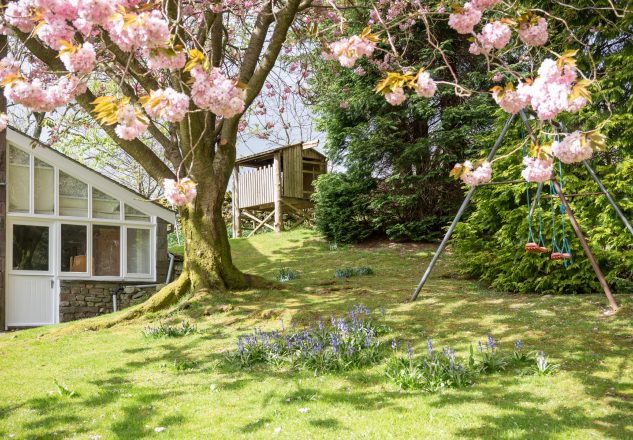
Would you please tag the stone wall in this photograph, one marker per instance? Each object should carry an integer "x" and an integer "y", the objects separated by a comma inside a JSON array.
[{"x": 85, "y": 299}]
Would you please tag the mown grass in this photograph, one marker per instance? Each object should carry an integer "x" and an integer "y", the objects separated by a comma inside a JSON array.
[{"x": 127, "y": 385}]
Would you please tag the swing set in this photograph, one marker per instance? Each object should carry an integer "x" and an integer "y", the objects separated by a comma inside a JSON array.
[{"x": 560, "y": 248}]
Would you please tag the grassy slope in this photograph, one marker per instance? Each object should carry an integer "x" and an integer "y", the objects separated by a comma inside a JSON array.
[{"x": 127, "y": 385}]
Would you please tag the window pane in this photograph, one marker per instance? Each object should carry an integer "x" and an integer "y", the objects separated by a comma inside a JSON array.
[
  {"x": 104, "y": 206},
  {"x": 106, "y": 250},
  {"x": 135, "y": 215},
  {"x": 138, "y": 251},
  {"x": 73, "y": 196},
  {"x": 73, "y": 248},
  {"x": 30, "y": 247},
  {"x": 19, "y": 180},
  {"x": 44, "y": 188}
]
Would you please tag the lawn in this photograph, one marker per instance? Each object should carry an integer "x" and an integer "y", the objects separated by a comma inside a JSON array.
[{"x": 127, "y": 385}]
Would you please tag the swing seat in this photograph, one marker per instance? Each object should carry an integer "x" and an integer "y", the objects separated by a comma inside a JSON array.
[
  {"x": 566, "y": 256},
  {"x": 556, "y": 256},
  {"x": 532, "y": 248},
  {"x": 542, "y": 250}
]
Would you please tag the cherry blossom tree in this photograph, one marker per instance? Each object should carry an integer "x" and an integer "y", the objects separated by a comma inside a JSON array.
[{"x": 176, "y": 76}]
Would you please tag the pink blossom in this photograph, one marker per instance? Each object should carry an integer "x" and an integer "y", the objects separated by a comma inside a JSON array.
[
  {"x": 534, "y": 34},
  {"x": 148, "y": 30},
  {"x": 81, "y": 60},
  {"x": 4, "y": 121},
  {"x": 213, "y": 91},
  {"x": 53, "y": 31},
  {"x": 465, "y": 20},
  {"x": 343, "y": 105},
  {"x": 425, "y": 86},
  {"x": 168, "y": 104},
  {"x": 348, "y": 50},
  {"x": 549, "y": 92},
  {"x": 482, "y": 174},
  {"x": 130, "y": 126},
  {"x": 360, "y": 71},
  {"x": 484, "y": 4},
  {"x": 20, "y": 15},
  {"x": 510, "y": 100},
  {"x": 35, "y": 96},
  {"x": 577, "y": 104},
  {"x": 497, "y": 34},
  {"x": 537, "y": 170},
  {"x": 181, "y": 192},
  {"x": 572, "y": 149},
  {"x": 166, "y": 59},
  {"x": 396, "y": 96}
]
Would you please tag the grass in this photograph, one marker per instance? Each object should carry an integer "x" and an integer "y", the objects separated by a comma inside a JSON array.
[{"x": 125, "y": 385}]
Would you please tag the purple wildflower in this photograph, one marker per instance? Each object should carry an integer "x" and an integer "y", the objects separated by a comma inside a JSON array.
[
  {"x": 491, "y": 343},
  {"x": 429, "y": 346},
  {"x": 518, "y": 345},
  {"x": 479, "y": 345},
  {"x": 409, "y": 349},
  {"x": 282, "y": 325},
  {"x": 394, "y": 345}
]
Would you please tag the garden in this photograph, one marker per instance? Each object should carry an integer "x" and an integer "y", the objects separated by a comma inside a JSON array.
[{"x": 316, "y": 219}]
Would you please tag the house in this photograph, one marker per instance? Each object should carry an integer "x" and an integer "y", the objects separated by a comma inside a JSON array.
[
  {"x": 275, "y": 185},
  {"x": 70, "y": 237}
]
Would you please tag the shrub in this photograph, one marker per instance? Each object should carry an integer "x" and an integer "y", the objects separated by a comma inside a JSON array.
[
  {"x": 169, "y": 331},
  {"x": 341, "y": 207},
  {"x": 340, "y": 344}
]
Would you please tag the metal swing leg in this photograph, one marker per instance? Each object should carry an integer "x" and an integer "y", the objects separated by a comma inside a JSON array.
[
  {"x": 458, "y": 216},
  {"x": 617, "y": 209},
  {"x": 585, "y": 246}
]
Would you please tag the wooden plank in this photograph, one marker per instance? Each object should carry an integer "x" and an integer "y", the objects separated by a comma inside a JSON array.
[
  {"x": 236, "y": 219},
  {"x": 277, "y": 192},
  {"x": 261, "y": 223}
]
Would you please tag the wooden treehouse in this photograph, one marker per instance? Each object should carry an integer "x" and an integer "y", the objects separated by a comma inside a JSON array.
[{"x": 274, "y": 187}]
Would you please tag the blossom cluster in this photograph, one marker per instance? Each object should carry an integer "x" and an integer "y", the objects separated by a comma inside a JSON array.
[
  {"x": 534, "y": 34},
  {"x": 477, "y": 176},
  {"x": 39, "y": 98},
  {"x": 572, "y": 149},
  {"x": 493, "y": 35},
  {"x": 180, "y": 192},
  {"x": 348, "y": 50},
  {"x": 537, "y": 169},
  {"x": 213, "y": 91},
  {"x": 130, "y": 125},
  {"x": 168, "y": 104},
  {"x": 549, "y": 94},
  {"x": 425, "y": 86},
  {"x": 79, "y": 59}
]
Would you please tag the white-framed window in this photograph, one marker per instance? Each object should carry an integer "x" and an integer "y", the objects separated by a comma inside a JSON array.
[
  {"x": 73, "y": 249},
  {"x": 138, "y": 251},
  {"x": 62, "y": 224},
  {"x": 20, "y": 178},
  {"x": 31, "y": 247},
  {"x": 73, "y": 196}
]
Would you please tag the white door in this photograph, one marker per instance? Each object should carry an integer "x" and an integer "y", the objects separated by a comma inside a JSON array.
[{"x": 31, "y": 298}]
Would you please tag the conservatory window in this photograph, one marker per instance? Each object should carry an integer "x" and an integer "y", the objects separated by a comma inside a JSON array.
[
  {"x": 104, "y": 206},
  {"x": 138, "y": 251},
  {"x": 30, "y": 247},
  {"x": 106, "y": 250},
  {"x": 44, "y": 188},
  {"x": 20, "y": 181},
  {"x": 73, "y": 196},
  {"x": 73, "y": 246},
  {"x": 135, "y": 215}
]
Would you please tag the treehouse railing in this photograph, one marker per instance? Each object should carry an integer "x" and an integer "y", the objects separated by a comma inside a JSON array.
[{"x": 256, "y": 187}]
